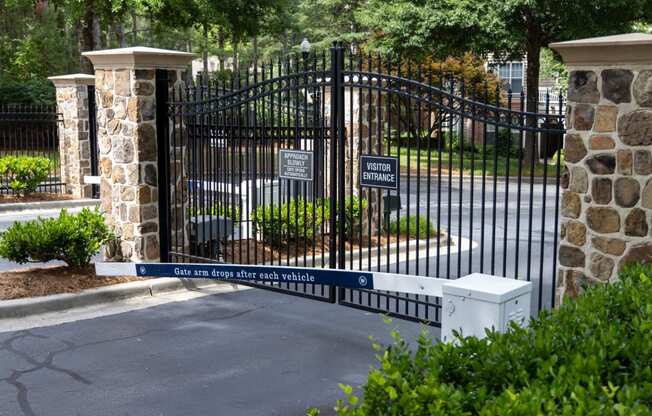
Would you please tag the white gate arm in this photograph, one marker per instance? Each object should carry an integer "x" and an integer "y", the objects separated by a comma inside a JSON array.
[{"x": 470, "y": 303}]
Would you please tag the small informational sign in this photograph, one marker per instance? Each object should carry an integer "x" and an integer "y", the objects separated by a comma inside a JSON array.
[
  {"x": 295, "y": 165},
  {"x": 379, "y": 172}
]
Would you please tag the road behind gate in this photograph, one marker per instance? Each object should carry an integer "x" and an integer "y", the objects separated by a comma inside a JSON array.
[{"x": 245, "y": 353}]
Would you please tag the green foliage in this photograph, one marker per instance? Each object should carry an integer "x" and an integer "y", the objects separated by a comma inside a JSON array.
[
  {"x": 553, "y": 68},
  {"x": 295, "y": 220},
  {"x": 410, "y": 224},
  {"x": 353, "y": 207},
  {"x": 219, "y": 209},
  {"x": 558, "y": 154},
  {"x": 591, "y": 357},
  {"x": 72, "y": 238},
  {"x": 31, "y": 91},
  {"x": 24, "y": 173}
]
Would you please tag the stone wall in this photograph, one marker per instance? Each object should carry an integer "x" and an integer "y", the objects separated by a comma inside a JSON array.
[
  {"x": 74, "y": 140},
  {"x": 126, "y": 114},
  {"x": 606, "y": 206}
]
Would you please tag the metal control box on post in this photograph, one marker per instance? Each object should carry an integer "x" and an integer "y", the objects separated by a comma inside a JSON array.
[{"x": 478, "y": 302}]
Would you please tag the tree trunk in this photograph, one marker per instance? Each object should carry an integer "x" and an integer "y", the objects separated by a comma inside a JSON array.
[
  {"x": 86, "y": 36},
  {"x": 236, "y": 66},
  {"x": 531, "y": 150},
  {"x": 120, "y": 34},
  {"x": 255, "y": 57},
  {"x": 220, "y": 43},
  {"x": 97, "y": 32},
  {"x": 205, "y": 52},
  {"x": 134, "y": 27}
]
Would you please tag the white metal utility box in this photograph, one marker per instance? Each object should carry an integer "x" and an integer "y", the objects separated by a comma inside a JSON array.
[{"x": 478, "y": 301}]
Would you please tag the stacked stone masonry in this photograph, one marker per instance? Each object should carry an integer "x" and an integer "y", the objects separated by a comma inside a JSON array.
[
  {"x": 126, "y": 114},
  {"x": 607, "y": 196},
  {"x": 74, "y": 143}
]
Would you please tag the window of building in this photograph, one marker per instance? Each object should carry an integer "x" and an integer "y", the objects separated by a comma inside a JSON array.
[{"x": 511, "y": 73}]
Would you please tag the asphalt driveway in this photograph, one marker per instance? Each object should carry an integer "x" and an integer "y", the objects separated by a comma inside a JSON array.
[{"x": 245, "y": 353}]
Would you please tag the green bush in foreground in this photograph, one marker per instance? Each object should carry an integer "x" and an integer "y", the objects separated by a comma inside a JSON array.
[
  {"x": 72, "y": 238},
  {"x": 593, "y": 356},
  {"x": 24, "y": 173},
  {"x": 410, "y": 224}
]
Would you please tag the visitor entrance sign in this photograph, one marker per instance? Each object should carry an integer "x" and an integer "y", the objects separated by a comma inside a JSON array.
[{"x": 379, "y": 172}]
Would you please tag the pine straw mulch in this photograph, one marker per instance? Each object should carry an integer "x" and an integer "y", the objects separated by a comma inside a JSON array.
[
  {"x": 257, "y": 252},
  {"x": 52, "y": 280},
  {"x": 35, "y": 197}
]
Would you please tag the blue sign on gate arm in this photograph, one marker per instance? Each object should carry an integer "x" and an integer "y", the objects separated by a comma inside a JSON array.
[
  {"x": 278, "y": 274},
  {"x": 274, "y": 274}
]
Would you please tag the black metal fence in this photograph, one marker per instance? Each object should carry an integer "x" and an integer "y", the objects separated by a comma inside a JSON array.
[
  {"x": 479, "y": 176},
  {"x": 31, "y": 130}
]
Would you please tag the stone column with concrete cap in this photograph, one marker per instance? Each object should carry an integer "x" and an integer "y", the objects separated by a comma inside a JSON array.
[
  {"x": 126, "y": 121},
  {"x": 74, "y": 139},
  {"x": 606, "y": 204}
]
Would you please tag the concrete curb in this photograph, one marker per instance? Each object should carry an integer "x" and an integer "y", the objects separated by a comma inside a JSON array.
[
  {"x": 34, "y": 206},
  {"x": 18, "y": 308}
]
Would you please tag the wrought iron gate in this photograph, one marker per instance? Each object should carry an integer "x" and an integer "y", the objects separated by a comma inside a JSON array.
[{"x": 473, "y": 195}]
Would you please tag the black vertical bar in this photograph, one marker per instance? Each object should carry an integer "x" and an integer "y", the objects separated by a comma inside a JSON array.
[
  {"x": 335, "y": 81},
  {"x": 92, "y": 137},
  {"x": 163, "y": 157},
  {"x": 340, "y": 159}
]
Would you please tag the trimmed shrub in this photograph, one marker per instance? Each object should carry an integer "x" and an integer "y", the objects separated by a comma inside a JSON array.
[
  {"x": 410, "y": 224},
  {"x": 24, "y": 173},
  {"x": 353, "y": 207},
  {"x": 290, "y": 221},
  {"x": 72, "y": 238},
  {"x": 227, "y": 211},
  {"x": 592, "y": 356}
]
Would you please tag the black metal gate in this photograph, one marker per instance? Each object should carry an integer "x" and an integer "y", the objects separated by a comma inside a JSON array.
[
  {"x": 32, "y": 130},
  {"x": 473, "y": 197}
]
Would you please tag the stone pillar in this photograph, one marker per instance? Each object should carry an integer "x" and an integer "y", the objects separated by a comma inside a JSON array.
[
  {"x": 74, "y": 143},
  {"x": 126, "y": 121},
  {"x": 606, "y": 207}
]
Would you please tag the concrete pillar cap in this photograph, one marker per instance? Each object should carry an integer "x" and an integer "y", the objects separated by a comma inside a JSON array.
[
  {"x": 139, "y": 57},
  {"x": 616, "y": 50},
  {"x": 72, "y": 80}
]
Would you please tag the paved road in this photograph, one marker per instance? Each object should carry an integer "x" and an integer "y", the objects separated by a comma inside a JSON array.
[
  {"x": 509, "y": 243},
  {"x": 245, "y": 353},
  {"x": 252, "y": 352}
]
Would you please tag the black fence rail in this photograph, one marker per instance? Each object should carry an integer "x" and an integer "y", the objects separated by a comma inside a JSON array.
[
  {"x": 32, "y": 130},
  {"x": 478, "y": 176}
]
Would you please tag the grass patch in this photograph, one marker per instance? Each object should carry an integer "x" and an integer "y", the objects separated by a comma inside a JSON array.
[{"x": 417, "y": 161}]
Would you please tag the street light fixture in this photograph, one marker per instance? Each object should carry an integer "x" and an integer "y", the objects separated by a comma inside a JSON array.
[{"x": 305, "y": 46}]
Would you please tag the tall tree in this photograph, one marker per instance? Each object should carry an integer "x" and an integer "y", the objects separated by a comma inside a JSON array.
[{"x": 507, "y": 28}]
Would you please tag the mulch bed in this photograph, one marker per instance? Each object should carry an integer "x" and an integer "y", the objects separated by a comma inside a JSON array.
[
  {"x": 256, "y": 252},
  {"x": 35, "y": 197},
  {"x": 52, "y": 280}
]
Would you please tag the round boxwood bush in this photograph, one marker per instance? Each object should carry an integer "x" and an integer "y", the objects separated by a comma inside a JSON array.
[
  {"x": 409, "y": 225},
  {"x": 72, "y": 238},
  {"x": 24, "y": 173},
  {"x": 297, "y": 219}
]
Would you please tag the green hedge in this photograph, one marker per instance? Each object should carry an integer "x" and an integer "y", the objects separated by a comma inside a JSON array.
[
  {"x": 72, "y": 238},
  {"x": 410, "y": 224},
  {"x": 593, "y": 356},
  {"x": 24, "y": 173},
  {"x": 290, "y": 221},
  {"x": 278, "y": 223}
]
